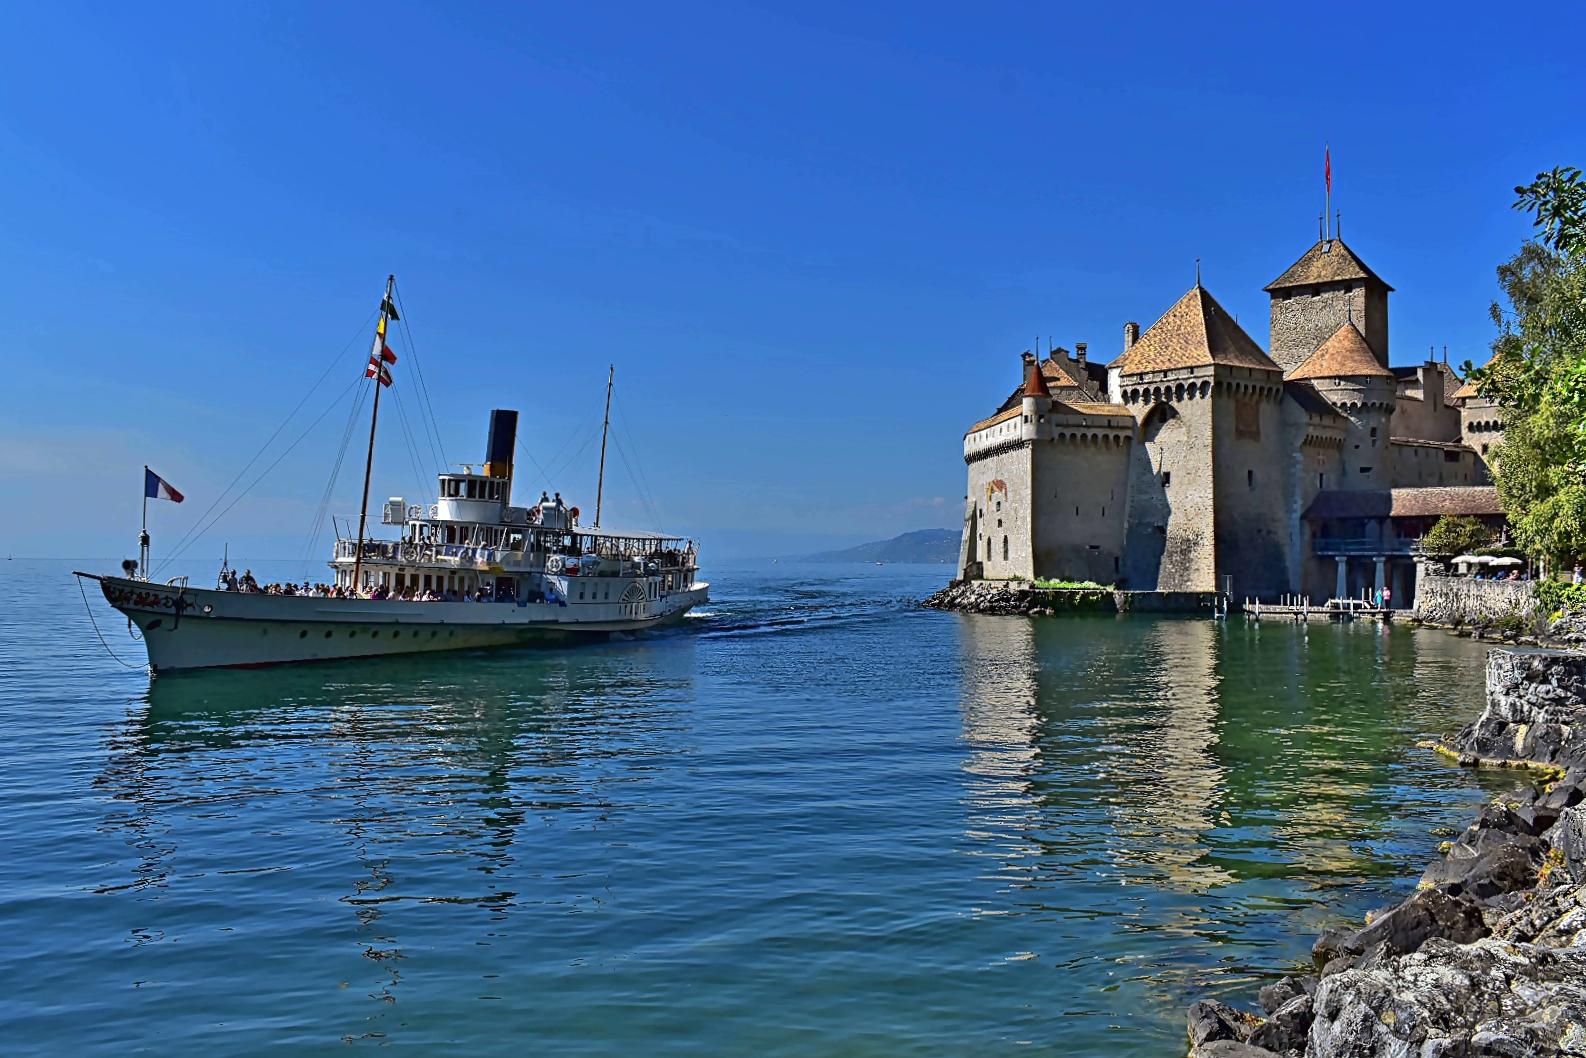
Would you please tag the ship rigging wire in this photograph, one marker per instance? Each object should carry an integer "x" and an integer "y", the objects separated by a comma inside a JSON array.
[
  {"x": 189, "y": 537},
  {"x": 195, "y": 537},
  {"x": 438, "y": 450}
]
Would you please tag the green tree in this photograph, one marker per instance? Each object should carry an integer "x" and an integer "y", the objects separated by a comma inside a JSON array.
[
  {"x": 1538, "y": 372},
  {"x": 1456, "y": 535}
]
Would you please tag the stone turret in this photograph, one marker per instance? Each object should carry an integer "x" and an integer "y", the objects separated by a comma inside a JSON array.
[
  {"x": 1326, "y": 288},
  {"x": 1346, "y": 372}
]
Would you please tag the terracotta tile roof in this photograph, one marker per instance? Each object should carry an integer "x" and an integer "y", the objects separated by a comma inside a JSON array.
[
  {"x": 1035, "y": 385},
  {"x": 1304, "y": 394},
  {"x": 1326, "y": 262},
  {"x": 1196, "y": 331},
  {"x": 1344, "y": 355},
  {"x": 1405, "y": 503},
  {"x": 1465, "y": 391},
  {"x": 1085, "y": 407},
  {"x": 1061, "y": 380},
  {"x": 1001, "y": 416}
]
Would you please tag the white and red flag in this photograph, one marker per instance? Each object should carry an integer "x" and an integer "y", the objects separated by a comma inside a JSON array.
[{"x": 380, "y": 356}]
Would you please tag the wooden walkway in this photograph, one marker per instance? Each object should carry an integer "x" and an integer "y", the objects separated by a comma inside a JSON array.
[{"x": 1296, "y": 608}]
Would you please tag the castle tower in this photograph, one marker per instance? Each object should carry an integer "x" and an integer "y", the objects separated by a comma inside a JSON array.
[
  {"x": 1207, "y": 480},
  {"x": 1345, "y": 370},
  {"x": 1326, "y": 288}
]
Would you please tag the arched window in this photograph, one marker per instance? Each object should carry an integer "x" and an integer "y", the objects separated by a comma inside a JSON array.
[{"x": 1004, "y": 549}]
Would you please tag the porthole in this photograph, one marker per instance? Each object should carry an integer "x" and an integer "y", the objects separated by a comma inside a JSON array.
[
  {"x": 395, "y": 634},
  {"x": 432, "y": 633},
  {"x": 328, "y": 634},
  {"x": 353, "y": 634},
  {"x": 375, "y": 634},
  {"x": 303, "y": 634}
]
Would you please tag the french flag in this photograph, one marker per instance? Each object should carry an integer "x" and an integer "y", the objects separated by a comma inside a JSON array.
[{"x": 157, "y": 488}]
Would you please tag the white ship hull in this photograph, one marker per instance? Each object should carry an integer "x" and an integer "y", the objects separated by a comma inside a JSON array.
[{"x": 196, "y": 628}]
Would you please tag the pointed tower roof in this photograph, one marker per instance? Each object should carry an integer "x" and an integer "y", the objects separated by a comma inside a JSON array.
[
  {"x": 1466, "y": 391},
  {"x": 1035, "y": 385},
  {"x": 1345, "y": 355},
  {"x": 1329, "y": 261},
  {"x": 1196, "y": 331}
]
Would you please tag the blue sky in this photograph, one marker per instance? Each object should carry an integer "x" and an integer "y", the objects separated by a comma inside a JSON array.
[{"x": 813, "y": 238}]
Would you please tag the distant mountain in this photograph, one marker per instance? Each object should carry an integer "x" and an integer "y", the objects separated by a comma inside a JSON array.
[{"x": 926, "y": 545}]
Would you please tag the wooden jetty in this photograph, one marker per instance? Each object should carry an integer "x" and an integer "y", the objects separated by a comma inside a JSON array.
[{"x": 1300, "y": 608}]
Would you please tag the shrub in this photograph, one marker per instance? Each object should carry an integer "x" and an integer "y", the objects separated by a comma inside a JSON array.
[
  {"x": 1456, "y": 535},
  {"x": 1560, "y": 596}
]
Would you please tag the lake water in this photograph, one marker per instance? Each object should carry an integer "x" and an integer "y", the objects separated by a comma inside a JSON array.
[{"x": 818, "y": 820}]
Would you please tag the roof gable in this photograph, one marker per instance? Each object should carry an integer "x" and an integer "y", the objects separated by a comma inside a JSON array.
[
  {"x": 1329, "y": 261},
  {"x": 1345, "y": 355},
  {"x": 1195, "y": 332}
]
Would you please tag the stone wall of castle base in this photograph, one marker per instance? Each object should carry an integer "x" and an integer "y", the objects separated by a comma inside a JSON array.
[
  {"x": 1465, "y": 601},
  {"x": 1014, "y": 598}
]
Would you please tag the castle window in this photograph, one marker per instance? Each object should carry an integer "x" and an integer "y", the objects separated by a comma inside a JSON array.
[
  {"x": 1004, "y": 549},
  {"x": 1250, "y": 478},
  {"x": 1365, "y": 470},
  {"x": 1321, "y": 481},
  {"x": 1373, "y": 431},
  {"x": 1167, "y": 478}
]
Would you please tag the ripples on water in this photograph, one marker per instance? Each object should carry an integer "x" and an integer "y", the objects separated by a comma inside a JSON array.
[{"x": 818, "y": 820}]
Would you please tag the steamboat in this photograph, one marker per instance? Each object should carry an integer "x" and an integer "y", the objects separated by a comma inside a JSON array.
[{"x": 471, "y": 570}]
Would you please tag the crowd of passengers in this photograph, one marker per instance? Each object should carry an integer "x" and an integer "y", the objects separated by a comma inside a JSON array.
[{"x": 247, "y": 585}]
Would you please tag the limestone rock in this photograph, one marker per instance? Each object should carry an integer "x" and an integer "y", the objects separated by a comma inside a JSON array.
[
  {"x": 1489, "y": 997},
  {"x": 1210, "y": 1020},
  {"x": 1430, "y": 913},
  {"x": 1274, "y": 996},
  {"x": 1569, "y": 841},
  {"x": 1232, "y": 1049},
  {"x": 1536, "y": 710},
  {"x": 1287, "y": 1028}
]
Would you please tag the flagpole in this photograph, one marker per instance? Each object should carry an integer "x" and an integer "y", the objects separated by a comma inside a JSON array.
[
  {"x": 605, "y": 427},
  {"x": 143, "y": 532},
  {"x": 368, "y": 466}
]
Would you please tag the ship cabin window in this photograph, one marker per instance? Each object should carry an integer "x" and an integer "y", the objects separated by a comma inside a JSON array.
[{"x": 473, "y": 490}]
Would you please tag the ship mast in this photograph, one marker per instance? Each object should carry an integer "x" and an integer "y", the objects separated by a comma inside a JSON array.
[
  {"x": 378, "y": 363},
  {"x": 605, "y": 427}
]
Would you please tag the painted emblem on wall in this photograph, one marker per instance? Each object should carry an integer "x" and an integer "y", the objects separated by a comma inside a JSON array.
[{"x": 997, "y": 485}]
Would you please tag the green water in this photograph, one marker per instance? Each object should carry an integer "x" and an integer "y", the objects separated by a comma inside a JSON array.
[{"x": 818, "y": 820}]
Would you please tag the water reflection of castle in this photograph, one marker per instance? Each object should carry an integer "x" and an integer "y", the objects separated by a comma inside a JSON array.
[{"x": 1113, "y": 757}]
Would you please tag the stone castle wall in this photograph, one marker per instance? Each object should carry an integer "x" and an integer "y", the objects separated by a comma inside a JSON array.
[
  {"x": 1302, "y": 321},
  {"x": 1249, "y": 472},
  {"x": 1171, "y": 535},
  {"x": 999, "y": 485},
  {"x": 1463, "y": 600},
  {"x": 1081, "y": 488}
]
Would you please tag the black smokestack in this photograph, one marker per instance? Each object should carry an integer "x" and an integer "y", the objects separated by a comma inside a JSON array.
[{"x": 500, "y": 446}]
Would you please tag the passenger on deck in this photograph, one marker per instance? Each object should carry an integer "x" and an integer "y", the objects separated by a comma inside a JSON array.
[{"x": 247, "y": 583}]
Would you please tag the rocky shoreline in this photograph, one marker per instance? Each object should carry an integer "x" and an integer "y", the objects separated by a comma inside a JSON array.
[
  {"x": 1021, "y": 598},
  {"x": 1488, "y": 957}
]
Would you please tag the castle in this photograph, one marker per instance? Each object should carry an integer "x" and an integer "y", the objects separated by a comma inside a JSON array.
[{"x": 1195, "y": 461}]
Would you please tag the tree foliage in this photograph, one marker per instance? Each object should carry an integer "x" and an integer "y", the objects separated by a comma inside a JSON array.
[
  {"x": 1538, "y": 372},
  {"x": 1456, "y": 535}
]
